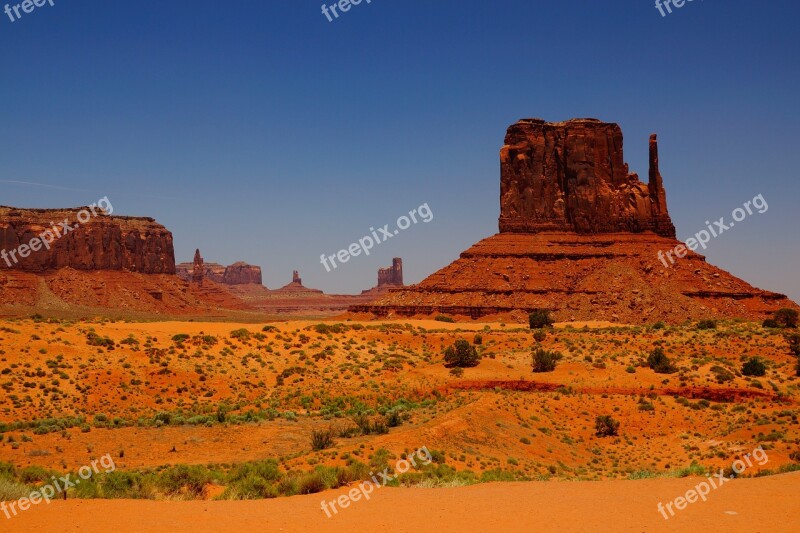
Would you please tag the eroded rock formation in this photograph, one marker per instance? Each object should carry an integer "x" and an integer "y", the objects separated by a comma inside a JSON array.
[
  {"x": 101, "y": 242},
  {"x": 571, "y": 176},
  {"x": 239, "y": 273},
  {"x": 580, "y": 236},
  {"x": 198, "y": 271},
  {"x": 392, "y": 275}
]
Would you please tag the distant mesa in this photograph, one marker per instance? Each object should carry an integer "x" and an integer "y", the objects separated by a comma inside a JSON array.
[
  {"x": 103, "y": 242},
  {"x": 579, "y": 235},
  {"x": 296, "y": 286},
  {"x": 239, "y": 273}
]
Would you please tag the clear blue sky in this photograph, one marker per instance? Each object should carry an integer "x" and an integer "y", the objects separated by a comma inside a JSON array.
[{"x": 259, "y": 131}]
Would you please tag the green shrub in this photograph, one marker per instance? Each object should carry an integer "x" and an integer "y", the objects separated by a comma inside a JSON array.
[
  {"x": 786, "y": 318},
  {"x": 184, "y": 480},
  {"x": 443, "y": 318},
  {"x": 540, "y": 318},
  {"x": 659, "y": 362},
  {"x": 322, "y": 439},
  {"x": 770, "y": 323},
  {"x": 754, "y": 367},
  {"x": 606, "y": 426},
  {"x": 539, "y": 335},
  {"x": 545, "y": 360},
  {"x": 240, "y": 334},
  {"x": 180, "y": 337},
  {"x": 707, "y": 324},
  {"x": 478, "y": 339},
  {"x": 462, "y": 354}
]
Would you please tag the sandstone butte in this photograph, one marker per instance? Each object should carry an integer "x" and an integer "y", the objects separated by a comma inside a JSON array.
[{"x": 579, "y": 235}]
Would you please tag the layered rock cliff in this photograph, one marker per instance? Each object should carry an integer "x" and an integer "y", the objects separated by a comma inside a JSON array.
[{"x": 39, "y": 240}]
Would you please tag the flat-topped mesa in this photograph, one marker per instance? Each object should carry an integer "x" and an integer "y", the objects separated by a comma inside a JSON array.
[
  {"x": 96, "y": 241},
  {"x": 571, "y": 176}
]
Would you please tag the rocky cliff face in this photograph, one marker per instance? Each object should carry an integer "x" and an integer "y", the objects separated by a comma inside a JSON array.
[
  {"x": 99, "y": 242},
  {"x": 571, "y": 176}
]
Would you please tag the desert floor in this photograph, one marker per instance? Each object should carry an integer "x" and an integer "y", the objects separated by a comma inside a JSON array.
[{"x": 760, "y": 504}]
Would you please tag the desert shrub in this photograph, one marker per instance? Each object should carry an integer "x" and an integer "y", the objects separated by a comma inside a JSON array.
[
  {"x": 311, "y": 483},
  {"x": 659, "y": 362},
  {"x": 794, "y": 456},
  {"x": 478, "y": 339},
  {"x": 721, "y": 374},
  {"x": 707, "y": 324},
  {"x": 770, "y": 323},
  {"x": 268, "y": 328},
  {"x": 606, "y": 426},
  {"x": 129, "y": 485},
  {"x": 457, "y": 372},
  {"x": 754, "y": 367},
  {"x": 11, "y": 490},
  {"x": 180, "y": 337},
  {"x": 539, "y": 335},
  {"x": 462, "y": 354},
  {"x": 240, "y": 334},
  {"x": 659, "y": 325},
  {"x": 540, "y": 318},
  {"x": 786, "y": 318},
  {"x": 322, "y": 439},
  {"x": 443, "y": 318},
  {"x": 93, "y": 339},
  {"x": 797, "y": 368},
  {"x": 545, "y": 360},
  {"x": 184, "y": 480}
]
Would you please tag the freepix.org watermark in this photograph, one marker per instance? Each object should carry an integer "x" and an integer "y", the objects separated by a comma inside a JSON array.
[
  {"x": 368, "y": 242},
  {"x": 365, "y": 488},
  {"x": 667, "y": 5},
  {"x": 58, "y": 485},
  {"x": 27, "y": 6},
  {"x": 702, "y": 490},
  {"x": 703, "y": 237},
  {"x": 56, "y": 231},
  {"x": 343, "y": 6}
]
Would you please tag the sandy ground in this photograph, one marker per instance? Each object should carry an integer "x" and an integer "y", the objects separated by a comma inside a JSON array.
[{"x": 760, "y": 504}]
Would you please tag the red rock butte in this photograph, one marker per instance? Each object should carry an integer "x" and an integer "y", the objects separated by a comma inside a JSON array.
[{"x": 579, "y": 235}]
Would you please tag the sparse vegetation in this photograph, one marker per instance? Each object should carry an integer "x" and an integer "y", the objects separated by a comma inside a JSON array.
[
  {"x": 606, "y": 426},
  {"x": 539, "y": 319},
  {"x": 659, "y": 362},
  {"x": 462, "y": 354},
  {"x": 545, "y": 360},
  {"x": 754, "y": 367}
]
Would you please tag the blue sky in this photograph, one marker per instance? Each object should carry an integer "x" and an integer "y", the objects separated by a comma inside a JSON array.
[{"x": 259, "y": 131}]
